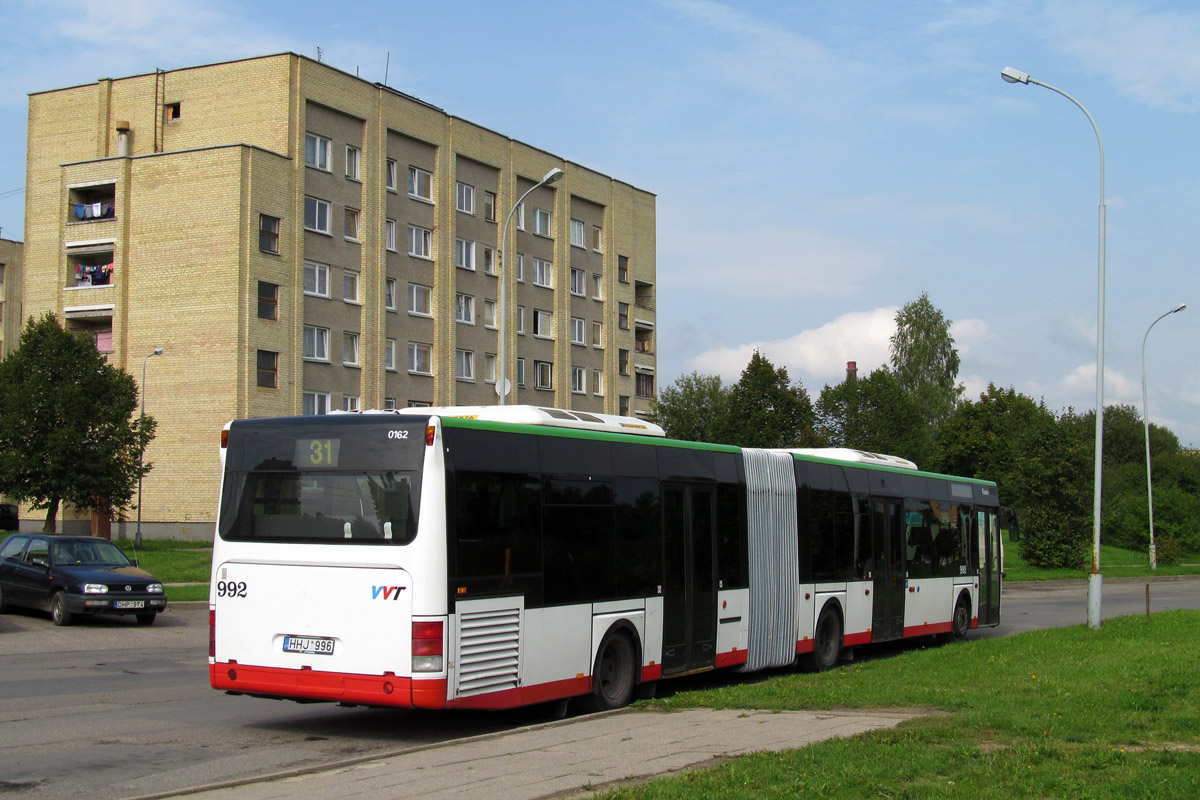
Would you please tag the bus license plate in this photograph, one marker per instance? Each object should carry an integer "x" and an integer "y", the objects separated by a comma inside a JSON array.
[
  {"x": 129, "y": 604},
  {"x": 316, "y": 645}
]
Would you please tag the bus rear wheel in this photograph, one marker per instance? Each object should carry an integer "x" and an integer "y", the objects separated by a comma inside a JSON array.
[
  {"x": 614, "y": 676},
  {"x": 827, "y": 641}
]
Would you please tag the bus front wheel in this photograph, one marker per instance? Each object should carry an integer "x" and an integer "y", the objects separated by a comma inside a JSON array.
[
  {"x": 614, "y": 676},
  {"x": 961, "y": 622}
]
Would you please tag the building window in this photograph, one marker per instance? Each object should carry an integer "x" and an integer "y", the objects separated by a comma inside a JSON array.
[
  {"x": 316, "y": 403},
  {"x": 316, "y": 279},
  {"x": 351, "y": 231},
  {"x": 623, "y": 316},
  {"x": 420, "y": 242},
  {"x": 520, "y": 268},
  {"x": 389, "y": 404},
  {"x": 597, "y": 286},
  {"x": 350, "y": 286},
  {"x": 577, "y": 328},
  {"x": 576, "y": 233},
  {"x": 464, "y": 365},
  {"x": 389, "y": 354},
  {"x": 268, "y": 234},
  {"x": 390, "y": 175},
  {"x": 420, "y": 300},
  {"x": 541, "y": 221},
  {"x": 597, "y": 382},
  {"x": 623, "y": 269},
  {"x": 623, "y": 362},
  {"x": 172, "y": 112},
  {"x": 420, "y": 358},
  {"x": 543, "y": 273},
  {"x": 268, "y": 369},
  {"x": 489, "y": 260},
  {"x": 464, "y": 197},
  {"x": 464, "y": 308},
  {"x": 390, "y": 234},
  {"x": 420, "y": 184},
  {"x": 316, "y": 215},
  {"x": 623, "y": 405},
  {"x": 350, "y": 402},
  {"x": 521, "y": 320},
  {"x": 316, "y": 151},
  {"x": 598, "y": 334},
  {"x": 543, "y": 324},
  {"x": 578, "y": 376},
  {"x": 644, "y": 385},
  {"x": 268, "y": 300},
  {"x": 389, "y": 294},
  {"x": 543, "y": 375},
  {"x": 352, "y": 154},
  {"x": 520, "y": 216},
  {"x": 350, "y": 349},
  {"x": 489, "y": 206},
  {"x": 489, "y": 367},
  {"x": 464, "y": 254},
  {"x": 578, "y": 282},
  {"x": 521, "y": 372},
  {"x": 597, "y": 238},
  {"x": 316, "y": 343},
  {"x": 489, "y": 313}
]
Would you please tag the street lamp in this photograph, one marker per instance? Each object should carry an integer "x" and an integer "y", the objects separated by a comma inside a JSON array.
[
  {"x": 1095, "y": 580},
  {"x": 137, "y": 537},
  {"x": 502, "y": 383},
  {"x": 1146, "y": 422}
]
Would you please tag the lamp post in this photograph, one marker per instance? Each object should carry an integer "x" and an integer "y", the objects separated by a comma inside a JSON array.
[
  {"x": 1095, "y": 580},
  {"x": 1146, "y": 422},
  {"x": 502, "y": 384},
  {"x": 137, "y": 537}
]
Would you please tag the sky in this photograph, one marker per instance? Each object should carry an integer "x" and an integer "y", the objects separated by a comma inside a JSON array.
[{"x": 817, "y": 165}]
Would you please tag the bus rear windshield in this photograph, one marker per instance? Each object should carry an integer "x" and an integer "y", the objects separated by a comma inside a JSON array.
[{"x": 335, "y": 484}]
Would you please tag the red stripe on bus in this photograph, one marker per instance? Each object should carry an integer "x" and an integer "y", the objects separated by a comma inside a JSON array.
[
  {"x": 852, "y": 639},
  {"x": 652, "y": 672},
  {"x": 928, "y": 629},
  {"x": 804, "y": 646},
  {"x": 307, "y": 684},
  {"x": 525, "y": 695},
  {"x": 732, "y": 658}
]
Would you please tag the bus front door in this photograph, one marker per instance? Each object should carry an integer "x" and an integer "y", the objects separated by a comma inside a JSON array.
[
  {"x": 689, "y": 589},
  {"x": 888, "y": 574},
  {"x": 989, "y": 569}
]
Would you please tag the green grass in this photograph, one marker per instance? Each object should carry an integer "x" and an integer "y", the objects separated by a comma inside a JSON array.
[
  {"x": 1115, "y": 562},
  {"x": 1069, "y": 712}
]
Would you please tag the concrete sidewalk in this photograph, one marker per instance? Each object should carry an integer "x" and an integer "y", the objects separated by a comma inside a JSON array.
[{"x": 566, "y": 758}]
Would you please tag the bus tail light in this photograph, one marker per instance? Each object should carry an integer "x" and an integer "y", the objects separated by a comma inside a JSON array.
[
  {"x": 427, "y": 647},
  {"x": 430, "y": 432}
]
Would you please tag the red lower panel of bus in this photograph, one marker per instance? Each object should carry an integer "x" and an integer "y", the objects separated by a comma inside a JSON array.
[
  {"x": 307, "y": 684},
  {"x": 852, "y": 639},
  {"x": 928, "y": 629},
  {"x": 732, "y": 658}
]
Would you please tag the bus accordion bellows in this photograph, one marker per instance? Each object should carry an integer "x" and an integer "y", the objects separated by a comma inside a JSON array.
[{"x": 493, "y": 557}]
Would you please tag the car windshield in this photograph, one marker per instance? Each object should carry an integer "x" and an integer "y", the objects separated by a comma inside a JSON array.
[{"x": 98, "y": 553}]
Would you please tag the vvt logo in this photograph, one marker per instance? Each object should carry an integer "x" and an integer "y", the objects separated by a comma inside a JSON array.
[{"x": 386, "y": 592}]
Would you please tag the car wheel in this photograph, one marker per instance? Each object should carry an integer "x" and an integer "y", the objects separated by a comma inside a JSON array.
[
  {"x": 146, "y": 619},
  {"x": 58, "y": 609}
]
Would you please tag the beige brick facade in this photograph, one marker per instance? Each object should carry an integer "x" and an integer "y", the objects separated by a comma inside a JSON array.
[{"x": 145, "y": 201}]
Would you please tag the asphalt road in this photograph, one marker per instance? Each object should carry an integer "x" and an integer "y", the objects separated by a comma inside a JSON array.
[{"x": 113, "y": 709}]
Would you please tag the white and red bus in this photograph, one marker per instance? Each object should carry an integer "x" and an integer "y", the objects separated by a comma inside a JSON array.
[{"x": 494, "y": 557}]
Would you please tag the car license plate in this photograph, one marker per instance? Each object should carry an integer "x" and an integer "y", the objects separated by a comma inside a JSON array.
[
  {"x": 316, "y": 645},
  {"x": 129, "y": 604}
]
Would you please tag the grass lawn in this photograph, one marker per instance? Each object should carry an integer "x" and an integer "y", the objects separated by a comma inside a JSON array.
[
  {"x": 1069, "y": 712},
  {"x": 1114, "y": 563}
]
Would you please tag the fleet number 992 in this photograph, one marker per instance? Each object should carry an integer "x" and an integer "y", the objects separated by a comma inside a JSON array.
[{"x": 231, "y": 588}]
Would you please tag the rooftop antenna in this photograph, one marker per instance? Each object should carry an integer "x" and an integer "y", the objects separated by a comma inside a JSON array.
[
  {"x": 319, "y": 53},
  {"x": 386, "y": 66}
]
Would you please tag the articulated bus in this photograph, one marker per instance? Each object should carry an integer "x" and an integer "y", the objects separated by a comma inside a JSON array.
[{"x": 492, "y": 557}]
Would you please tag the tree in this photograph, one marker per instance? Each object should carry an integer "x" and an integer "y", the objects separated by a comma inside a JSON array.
[
  {"x": 67, "y": 426},
  {"x": 925, "y": 361},
  {"x": 1008, "y": 438},
  {"x": 691, "y": 408},
  {"x": 766, "y": 410},
  {"x": 874, "y": 414}
]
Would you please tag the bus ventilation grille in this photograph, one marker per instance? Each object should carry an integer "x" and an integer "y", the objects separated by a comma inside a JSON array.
[{"x": 488, "y": 650}]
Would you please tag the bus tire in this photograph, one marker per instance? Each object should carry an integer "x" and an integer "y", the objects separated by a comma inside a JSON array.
[
  {"x": 614, "y": 676},
  {"x": 827, "y": 640},
  {"x": 960, "y": 623}
]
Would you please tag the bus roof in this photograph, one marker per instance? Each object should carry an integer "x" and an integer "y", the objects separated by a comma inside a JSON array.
[
  {"x": 855, "y": 456},
  {"x": 545, "y": 417}
]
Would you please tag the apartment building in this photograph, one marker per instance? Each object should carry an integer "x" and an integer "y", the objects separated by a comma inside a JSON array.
[
  {"x": 11, "y": 258},
  {"x": 299, "y": 240}
]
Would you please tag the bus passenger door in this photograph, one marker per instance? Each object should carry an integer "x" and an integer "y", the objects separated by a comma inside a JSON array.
[
  {"x": 689, "y": 589},
  {"x": 989, "y": 569},
  {"x": 888, "y": 573}
]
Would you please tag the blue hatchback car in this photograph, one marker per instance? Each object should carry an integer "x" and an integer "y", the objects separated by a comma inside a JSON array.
[{"x": 73, "y": 575}]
